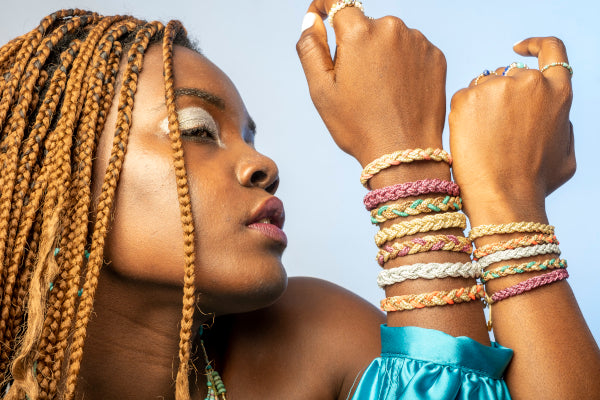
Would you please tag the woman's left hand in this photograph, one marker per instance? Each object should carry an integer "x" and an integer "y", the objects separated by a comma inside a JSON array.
[{"x": 385, "y": 88}]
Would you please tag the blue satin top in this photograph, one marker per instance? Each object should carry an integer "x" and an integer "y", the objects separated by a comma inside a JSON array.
[{"x": 418, "y": 363}]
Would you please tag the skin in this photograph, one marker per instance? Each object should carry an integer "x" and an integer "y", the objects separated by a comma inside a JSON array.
[
  {"x": 531, "y": 133},
  {"x": 139, "y": 293},
  {"x": 270, "y": 341}
]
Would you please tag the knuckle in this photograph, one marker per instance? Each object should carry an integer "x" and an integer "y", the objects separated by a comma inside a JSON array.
[
  {"x": 565, "y": 93},
  {"x": 555, "y": 43},
  {"x": 393, "y": 23},
  {"x": 418, "y": 34},
  {"x": 533, "y": 77},
  {"x": 359, "y": 30},
  {"x": 307, "y": 44},
  {"x": 458, "y": 99}
]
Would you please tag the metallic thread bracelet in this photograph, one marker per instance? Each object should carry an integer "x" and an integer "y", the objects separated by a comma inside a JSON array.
[
  {"x": 423, "y": 244},
  {"x": 523, "y": 241},
  {"x": 343, "y": 4},
  {"x": 437, "y": 298},
  {"x": 404, "y": 156},
  {"x": 427, "y": 271},
  {"x": 401, "y": 190},
  {"x": 520, "y": 252},
  {"x": 522, "y": 268},
  {"x": 416, "y": 207},
  {"x": 521, "y": 227},
  {"x": 529, "y": 284},
  {"x": 424, "y": 224}
]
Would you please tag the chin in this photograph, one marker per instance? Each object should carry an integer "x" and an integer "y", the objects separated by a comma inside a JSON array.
[{"x": 247, "y": 293}]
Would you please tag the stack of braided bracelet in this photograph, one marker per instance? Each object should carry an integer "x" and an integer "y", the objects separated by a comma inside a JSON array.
[
  {"x": 538, "y": 240},
  {"x": 441, "y": 210}
]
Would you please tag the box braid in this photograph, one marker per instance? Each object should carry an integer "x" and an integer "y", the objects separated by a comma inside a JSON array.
[{"x": 58, "y": 83}]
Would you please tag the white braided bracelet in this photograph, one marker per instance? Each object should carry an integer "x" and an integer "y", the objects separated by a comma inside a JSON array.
[
  {"x": 520, "y": 252},
  {"x": 427, "y": 271}
]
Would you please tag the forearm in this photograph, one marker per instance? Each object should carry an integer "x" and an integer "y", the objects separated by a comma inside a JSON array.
[
  {"x": 465, "y": 319},
  {"x": 544, "y": 326}
]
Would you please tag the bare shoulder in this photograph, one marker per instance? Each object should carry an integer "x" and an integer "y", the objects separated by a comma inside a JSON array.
[{"x": 325, "y": 333}]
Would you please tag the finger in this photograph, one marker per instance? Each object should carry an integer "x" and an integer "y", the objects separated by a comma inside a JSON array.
[
  {"x": 549, "y": 51},
  {"x": 314, "y": 53},
  {"x": 345, "y": 19}
]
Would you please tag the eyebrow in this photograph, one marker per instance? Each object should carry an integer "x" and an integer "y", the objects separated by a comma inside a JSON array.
[{"x": 201, "y": 94}]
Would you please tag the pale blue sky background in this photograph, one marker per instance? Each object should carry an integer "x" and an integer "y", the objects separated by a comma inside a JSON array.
[{"x": 329, "y": 231}]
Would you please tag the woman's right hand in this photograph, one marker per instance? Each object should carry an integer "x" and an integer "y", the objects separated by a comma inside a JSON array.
[
  {"x": 511, "y": 138},
  {"x": 385, "y": 89}
]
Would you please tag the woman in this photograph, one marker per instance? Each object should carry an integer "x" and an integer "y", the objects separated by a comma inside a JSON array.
[{"x": 136, "y": 293}]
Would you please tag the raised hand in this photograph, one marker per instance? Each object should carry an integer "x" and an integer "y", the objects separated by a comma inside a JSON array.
[
  {"x": 510, "y": 135},
  {"x": 385, "y": 88}
]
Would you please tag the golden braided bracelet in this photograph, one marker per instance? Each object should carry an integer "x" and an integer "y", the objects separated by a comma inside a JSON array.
[
  {"x": 521, "y": 227},
  {"x": 424, "y": 224}
]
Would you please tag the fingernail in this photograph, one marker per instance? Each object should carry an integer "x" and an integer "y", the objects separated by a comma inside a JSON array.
[
  {"x": 520, "y": 41},
  {"x": 309, "y": 20}
]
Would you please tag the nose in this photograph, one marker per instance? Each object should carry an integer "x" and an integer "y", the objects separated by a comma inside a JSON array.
[{"x": 258, "y": 170}]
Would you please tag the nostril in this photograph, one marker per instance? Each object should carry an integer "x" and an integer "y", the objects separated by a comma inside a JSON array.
[
  {"x": 272, "y": 188},
  {"x": 258, "y": 178}
]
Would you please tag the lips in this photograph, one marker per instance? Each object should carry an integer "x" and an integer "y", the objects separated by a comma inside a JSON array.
[{"x": 268, "y": 219}]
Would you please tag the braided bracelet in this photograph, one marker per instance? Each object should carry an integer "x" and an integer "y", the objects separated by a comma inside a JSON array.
[
  {"x": 529, "y": 284},
  {"x": 424, "y": 224},
  {"x": 437, "y": 298},
  {"x": 485, "y": 230},
  {"x": 404, "y": 156},
  {"x": 423, "y": 244},
  {"x": 520, "y": 252},
  {"x": 416, "y": 207},
  {"x": 522, "y": 241},
  {"x": 407, "y": 189},
  {"x": 522, "y": 268},
  {"x": 427, "y": 271}
]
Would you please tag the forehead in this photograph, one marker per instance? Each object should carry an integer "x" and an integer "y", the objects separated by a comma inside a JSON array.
[{"x": 191, "y": 70}]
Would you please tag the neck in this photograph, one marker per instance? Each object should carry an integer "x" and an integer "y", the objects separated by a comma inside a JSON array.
[{"x": 132, "y": 344}]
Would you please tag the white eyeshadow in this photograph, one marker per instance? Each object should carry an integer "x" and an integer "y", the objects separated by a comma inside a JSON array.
[{"x": 191, "y": 117}]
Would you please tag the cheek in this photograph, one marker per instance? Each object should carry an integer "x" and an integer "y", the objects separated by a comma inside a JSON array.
[{"x": 145, "y": 239}]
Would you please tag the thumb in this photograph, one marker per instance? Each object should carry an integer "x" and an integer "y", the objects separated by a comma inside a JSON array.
[{"x": 314, "y": 54}]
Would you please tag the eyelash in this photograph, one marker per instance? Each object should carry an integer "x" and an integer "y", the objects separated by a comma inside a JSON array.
[{"x": 200, "y": 133}]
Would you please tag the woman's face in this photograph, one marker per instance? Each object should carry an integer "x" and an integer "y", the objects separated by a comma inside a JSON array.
[{"x": 238, "y": 244}]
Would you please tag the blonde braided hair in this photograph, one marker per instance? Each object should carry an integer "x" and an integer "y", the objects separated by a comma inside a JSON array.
[{"x": 58, "y": 85}]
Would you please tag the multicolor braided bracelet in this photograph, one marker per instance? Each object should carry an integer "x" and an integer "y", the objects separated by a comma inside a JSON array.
[
  {"x": 437, "y": 298},
  {"x": 427, "y": 271},
  {"x": 520, "y": 252},
  {"x": 423, "y": 244},
  {"x": 407, "y": 189},
  {"x": 529, "y": 284},
  {"x": 424, "y": 224},
  {"x": 523, "y": 241},
  {"x": 400, "y": 157},
  {"x": 407, "y": 208},
  {"x": 522, "y": 268},
  {"x": 512, "y": 227}
]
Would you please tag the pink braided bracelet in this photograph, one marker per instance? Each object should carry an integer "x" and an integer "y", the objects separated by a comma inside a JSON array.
[
  {"x": 529, "y": 284},
  {"x": 395, "y": 192}
]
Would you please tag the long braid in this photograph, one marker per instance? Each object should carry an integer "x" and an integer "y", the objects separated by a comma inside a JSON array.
[
  {"x": 37, "y": 135},
  {"x": 182, "y": 391},
  {"x": 106, "y": 200},
  {"x": 58, "y": 85},
  {"x": 76, "y": 234},
  {"x": 59, "y": 170}
]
